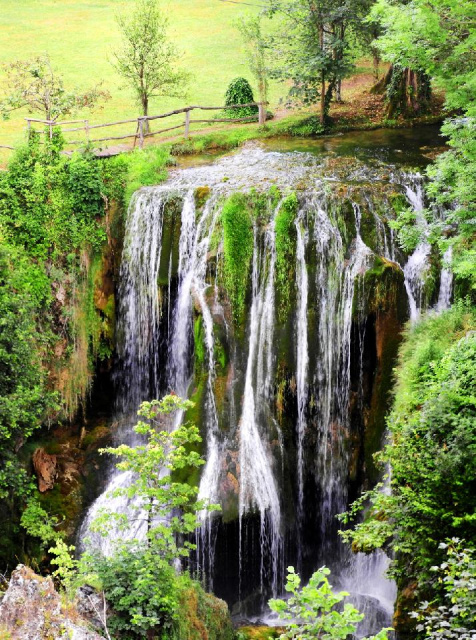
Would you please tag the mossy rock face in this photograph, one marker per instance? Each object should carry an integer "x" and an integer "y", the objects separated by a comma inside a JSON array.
[
  {"x": 258, "y": 633},
  {"x": 381, "y": 303},
  {"x": 194, "y": 416},
  {"x": 383, "y": 289},
  {"x": 407, "y": 602},
  {"x": 237, "y": 251},
  {"x": 169, "y": 255},
  {"x": 286, "y": 235},
  {"x": 343, "y": 215},
  {"x": 199, "y": 350},
  {"x": 201, "y": 196},
  {"x": 78, "y": 465},
  {"x": 368, "y": 229},
  {"x": 202, "y": 616}
]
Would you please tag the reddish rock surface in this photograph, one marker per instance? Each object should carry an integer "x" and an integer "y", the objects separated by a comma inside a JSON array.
[{"x": 45, "y": 469}]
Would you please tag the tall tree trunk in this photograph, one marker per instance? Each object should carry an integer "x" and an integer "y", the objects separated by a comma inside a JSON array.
[
  {"x": 145, "y": 111},
  {"x": 339, "y": 90},
  {"x": 376, "y": 64},
  {"x": 323, "y": 78},
  {"x": 408, "y": 91}
]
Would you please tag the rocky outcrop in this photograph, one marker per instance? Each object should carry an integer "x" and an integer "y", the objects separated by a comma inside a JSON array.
[
  {"x": 31, "y": 609},
  {"x": 45, "y": 469}
]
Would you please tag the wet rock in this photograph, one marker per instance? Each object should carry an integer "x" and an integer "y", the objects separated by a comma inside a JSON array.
[
  {"x": 45, "y": 469},
  {"x": 92, "y": 606},
  {"x": 31, "y": 609}
]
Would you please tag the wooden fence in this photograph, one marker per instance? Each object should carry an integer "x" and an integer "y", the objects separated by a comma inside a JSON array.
[{"x": 142, "y": 130}]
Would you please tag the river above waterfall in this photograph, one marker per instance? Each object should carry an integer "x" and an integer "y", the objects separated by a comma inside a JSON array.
[
  {"x": 414, "y": 147},
  {"x": 269, "y": 288}
]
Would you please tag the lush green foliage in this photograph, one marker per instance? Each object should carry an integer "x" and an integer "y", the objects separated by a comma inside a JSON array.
[
  {"x": 22, "y": 395},
  {"x": 455, "y": 618},
  {"x": 149, "y": 599},
  {"x": 52, "y": 230},
  {"x": 438, "y": 39},
  {"x": 239, "y": 91},
  {"x": 142, "y": 591},
  {"x": 314, "y": 611},
  {"x": 49, "y": 204},
  {"x": 452, "y": 180},
  {"x": 39, "y": 524},
  {"x": 49, "y": 212},
  {"x": 432, "y": 448}
]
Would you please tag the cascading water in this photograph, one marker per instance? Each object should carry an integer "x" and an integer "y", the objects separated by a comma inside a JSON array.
[
  {"x": 280, "y": 400},
  {"x": 417, "y": 264},
  {"x": 446, "y": 282}
]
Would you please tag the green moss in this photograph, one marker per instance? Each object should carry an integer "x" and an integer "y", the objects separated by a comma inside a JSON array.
[
  {"x": 381, "y": 285},
  {"x": 343, "y": 216},
  {"x": 285, "y": 230},
  {"x": 398, "y": 202},
  {"x": 258, "y": 633},
  {"x": 220, "y": 354},
  {"x": 191, "y": 475},
  {"x": 237, "y": 250},
  {"x": 64, "y": 505},
  {"x": 145, "y": 167},
  {"x": 201, "y": 196},
  {"x": 202, "y": 616},
  {"x": 199, "y": 343},
  {"x": 368, "y": 229}
]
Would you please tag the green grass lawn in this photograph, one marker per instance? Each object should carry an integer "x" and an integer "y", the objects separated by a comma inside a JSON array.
[{"x": 81, "y": 36}]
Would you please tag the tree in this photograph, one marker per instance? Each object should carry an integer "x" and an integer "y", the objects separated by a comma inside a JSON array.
[
  {"x": 256, "y": 48},
  {"x": 139, "y": 578},
  {"x": 312, "y": 47},
  {"x": 315, "y": 610},
  {"x": 147, "y": 58},
  {"x": 35, "y": 85},
  {"x": 169, "y": 507}
]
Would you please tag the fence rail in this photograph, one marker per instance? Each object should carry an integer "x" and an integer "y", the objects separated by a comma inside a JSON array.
[{"x": 142, "y": 129}]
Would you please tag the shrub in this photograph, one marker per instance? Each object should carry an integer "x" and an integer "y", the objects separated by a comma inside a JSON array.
[
  {"x": 316, "y": 611},
  {"x": 239, "y": 92}
]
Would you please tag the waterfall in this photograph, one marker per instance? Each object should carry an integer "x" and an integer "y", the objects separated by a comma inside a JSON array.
[
  {"x": 139, "y": 307},
  {"x": 275, "y": 413},
  {"x": 417, "y": 264},
  {"x": 258, "y": 489},
  {"x": 446, "y": 282}
]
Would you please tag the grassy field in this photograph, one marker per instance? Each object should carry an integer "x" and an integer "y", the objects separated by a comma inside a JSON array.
[{"x": 80, "y": 37}]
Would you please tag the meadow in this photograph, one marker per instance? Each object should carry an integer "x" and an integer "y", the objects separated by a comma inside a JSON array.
[{"x": 80, "y": 38}]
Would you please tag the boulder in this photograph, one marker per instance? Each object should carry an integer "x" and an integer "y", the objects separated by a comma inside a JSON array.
[
  {"x": 45, "y": 469},
  {"x": 31, "y": 609}
]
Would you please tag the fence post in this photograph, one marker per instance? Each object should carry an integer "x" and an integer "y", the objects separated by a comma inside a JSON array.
[
  {"x": 141, "y": 132},
  {"x": 50, "y": 125},
  {"x": 261, "y": 113},
  {"x": 187, "y": 123},
  {"x": 86, "y": 129}
]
